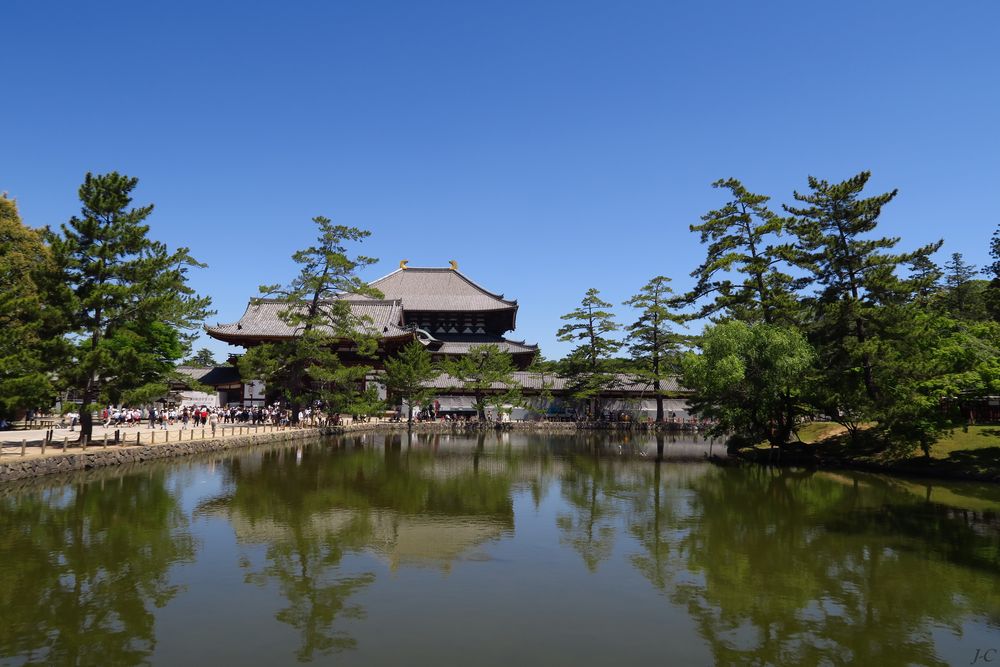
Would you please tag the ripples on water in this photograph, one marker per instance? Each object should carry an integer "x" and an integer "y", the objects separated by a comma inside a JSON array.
[{"x": 454, "y": 550}]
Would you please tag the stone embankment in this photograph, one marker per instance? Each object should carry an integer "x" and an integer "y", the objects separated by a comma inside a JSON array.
[
  {"x": 37, "y": 460},
  {"x": 98, "y": 457}
]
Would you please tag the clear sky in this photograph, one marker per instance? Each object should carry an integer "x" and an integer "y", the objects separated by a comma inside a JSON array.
[{"x": 548, "y": 147}]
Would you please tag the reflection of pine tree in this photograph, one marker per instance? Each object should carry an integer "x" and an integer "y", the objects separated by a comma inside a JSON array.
[
  {"x": 81, "y": 586},
  {"x": 588, "y": 486},
  {"x": 305, "y": 570},
  {"x": 315, "y": 508},
  {"x": 651, "y": 518},
  {"x": 779, "y": 567}
]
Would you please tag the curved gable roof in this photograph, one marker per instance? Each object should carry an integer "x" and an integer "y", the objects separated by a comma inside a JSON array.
[
  {"x": 437, "y": 289},
  {"x": 262, "y": 320}
]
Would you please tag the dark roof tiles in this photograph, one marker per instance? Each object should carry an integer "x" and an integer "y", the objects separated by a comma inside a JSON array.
[
  {"x": 434, "y": 289},
  {"x": 262, "y": 319}
]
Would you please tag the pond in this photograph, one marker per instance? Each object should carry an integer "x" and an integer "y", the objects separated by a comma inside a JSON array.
[{"x": 496, "y": 550}]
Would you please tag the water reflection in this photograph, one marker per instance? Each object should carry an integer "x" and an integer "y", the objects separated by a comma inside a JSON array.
[
  {"x": 765, "y": 566},
  {"x": 784, "y": 567},
  {"x": 312, "y": 505},
  {"x": 85, "y": 569}
]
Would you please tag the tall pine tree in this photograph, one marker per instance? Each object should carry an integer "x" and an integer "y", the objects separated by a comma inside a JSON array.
[
  {"x": 131, "y": 301},
  {"x": 965, "y": 297},
  {"x": 587, "y": 365},
  {"x": 854, "y": 277},
  {"x": 741, "y": 245},
  {"x": 651, "y": 339},
  {"x": 307, "y": 368}
]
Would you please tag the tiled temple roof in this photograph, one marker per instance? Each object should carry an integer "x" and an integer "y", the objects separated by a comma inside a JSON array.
[
  {"x": 261, "y": 320},
  {"x": 213, "y": 375},
  {"x": 461, "y": 344},
  {"x": 437, "y": 289}
]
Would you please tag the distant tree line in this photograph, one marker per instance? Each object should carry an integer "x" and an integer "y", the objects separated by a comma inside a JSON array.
[{"x": 811, "y": 313}]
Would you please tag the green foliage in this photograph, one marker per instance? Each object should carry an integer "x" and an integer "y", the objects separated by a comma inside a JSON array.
[
  {"x": 587, "y": 365},
  {"x": 483, "y": 370},
  {"x": 131, "y": 303},
  {"x": 408, "y": 373},
  {"x": 87, "y": 573},
  {"x": 203, "y": 358},
  {"x": 30, "y": 316},
  {"x": 739, "y": 237},
  {"x": 925, "y": 277},
  {"x": 651, "y": 339},
  {"x": 749, "y": 378},
  {"x": 855, "y": 281},
  {"x": 964, "y": 297},
  {"x": 307, "y": 367}
]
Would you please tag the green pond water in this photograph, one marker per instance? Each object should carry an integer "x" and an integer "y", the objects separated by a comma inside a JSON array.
[{"x": 507, "y": 549}]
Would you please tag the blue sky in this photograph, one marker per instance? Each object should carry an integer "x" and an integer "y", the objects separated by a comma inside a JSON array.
[{"x": 548, "y": 147}]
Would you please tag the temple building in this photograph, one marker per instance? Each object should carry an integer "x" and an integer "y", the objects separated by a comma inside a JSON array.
[
  {"x": 448, "y": 313},
  {"x": 441, "y": 307}
]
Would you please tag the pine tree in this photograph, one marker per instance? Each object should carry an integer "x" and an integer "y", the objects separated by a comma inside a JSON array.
[
  {"x": 925, "y": 278},
  {"x": 854, "y": 276},
  {"x": 408, "y": 374},
  {"x": 993, "y": 291},
  {"x": 964, "y": 298},
  {"x": 203, "y": 358},
  {"x": 307, "y": 368},
  {"x": 651, "y": 339},
  {"x": 740, "y": 238},
  {"x": 587, "y": 364},
  {"x": 480, "y": 370},
  {"x": 131, "y": 301}
]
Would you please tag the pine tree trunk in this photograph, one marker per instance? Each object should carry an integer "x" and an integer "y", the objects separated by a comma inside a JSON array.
[
  {"x": 659, "y": 401},
  {"x": 86, "y": 416}
]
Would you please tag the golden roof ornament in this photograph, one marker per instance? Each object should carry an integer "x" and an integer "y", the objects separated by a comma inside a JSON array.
[
  {"x": 454, "y": 264},
  {"x": 402, "y": 263}
]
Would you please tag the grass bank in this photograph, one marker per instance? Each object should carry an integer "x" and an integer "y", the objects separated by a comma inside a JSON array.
[{"x": 970, "y": 452}]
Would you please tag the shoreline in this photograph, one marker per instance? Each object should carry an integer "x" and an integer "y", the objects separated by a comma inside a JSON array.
[
  {"x": 33, "y": 460},
  {"x": 15, "y": 466},
  {"x": 908, "y": 468},
  {"x": 99, "y": 456}
]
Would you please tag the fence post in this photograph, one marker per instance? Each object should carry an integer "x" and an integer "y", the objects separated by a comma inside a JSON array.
[
  {"x": 83, "y": 441},
  {"x": 45, "y": 441},
  {"x": 105, "y": 440},
  {"x": 138, "y": 435},
  {"x": 65, "y": 442},
  {"x": 24, "y": 444},
  {"x": 152, "y": 437}
]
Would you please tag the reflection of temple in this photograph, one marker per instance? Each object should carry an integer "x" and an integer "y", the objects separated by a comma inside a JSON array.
[{"x": 402, "y": 540}]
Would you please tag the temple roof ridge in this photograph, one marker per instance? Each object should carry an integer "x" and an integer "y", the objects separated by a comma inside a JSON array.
[
  {"x": 346, "y": 296},
  {"x": 417, "y": 286}
]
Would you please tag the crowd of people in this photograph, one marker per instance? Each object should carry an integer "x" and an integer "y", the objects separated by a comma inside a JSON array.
[{"x": 195, "y": 416}]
